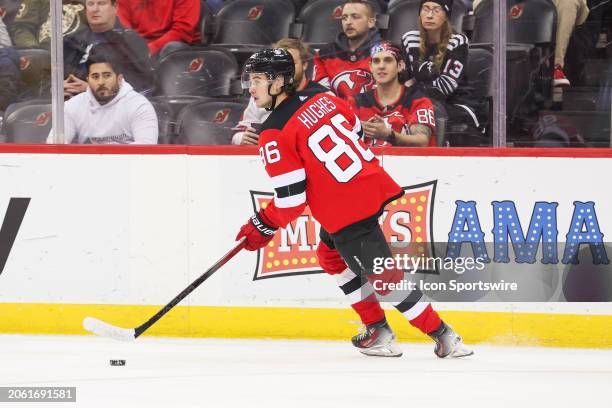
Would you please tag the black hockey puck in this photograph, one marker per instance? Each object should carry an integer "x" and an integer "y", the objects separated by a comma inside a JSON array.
[{"x": 117, "y": 362}]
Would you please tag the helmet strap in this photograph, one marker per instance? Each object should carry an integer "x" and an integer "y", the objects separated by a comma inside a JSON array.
[{"x": 274, "y": 96}]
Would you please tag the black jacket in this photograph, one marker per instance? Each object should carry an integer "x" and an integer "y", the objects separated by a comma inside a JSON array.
[{"x": 132, "y": 53}]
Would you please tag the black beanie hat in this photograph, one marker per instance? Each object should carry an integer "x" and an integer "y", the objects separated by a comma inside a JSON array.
[{"x": 447, "y": 5}]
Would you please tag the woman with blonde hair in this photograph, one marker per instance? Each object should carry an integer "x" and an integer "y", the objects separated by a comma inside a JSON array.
[{"x": 438, "y": 58}]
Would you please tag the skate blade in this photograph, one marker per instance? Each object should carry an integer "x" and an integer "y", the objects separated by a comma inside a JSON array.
[
  {"x": 461, "y": 351},
  {"x": 389, "y": 350}
]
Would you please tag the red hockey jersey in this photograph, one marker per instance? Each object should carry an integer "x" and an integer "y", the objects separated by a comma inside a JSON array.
[
  {"x": 412, "y": 107},
  {"x": 343, "y": 71},
  {"x": 311, "y": 146}
]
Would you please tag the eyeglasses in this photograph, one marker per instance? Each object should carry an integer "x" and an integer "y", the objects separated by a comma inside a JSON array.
[{"x": 435, "y": 10}]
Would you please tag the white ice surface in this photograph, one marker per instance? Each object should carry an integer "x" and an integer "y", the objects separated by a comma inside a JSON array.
[{"x": 221, "y": 373}]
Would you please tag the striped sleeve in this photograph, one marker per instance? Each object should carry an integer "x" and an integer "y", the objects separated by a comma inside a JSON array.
[
  {"x": 412, "y": 43},
  {"x": 287, "y": 174},
  {"x": 454, "y": 66},
  {"x": 290, "y": 189}
]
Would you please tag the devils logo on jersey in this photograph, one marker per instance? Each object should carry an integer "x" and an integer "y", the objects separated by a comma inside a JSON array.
[
  {"x": 394, "y": 120},
  {"x": 352, "y": 82},
  {"x": 196, "y": 64},
  {"x": 255, "y": 13},
  {"x": 221, "y": 116}
]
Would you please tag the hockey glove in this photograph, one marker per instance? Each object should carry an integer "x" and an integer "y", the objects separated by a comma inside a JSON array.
[{"x": 257, "y": 231}]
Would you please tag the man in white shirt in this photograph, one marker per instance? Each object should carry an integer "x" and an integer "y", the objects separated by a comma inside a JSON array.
[{"x": 110, "y": 111}]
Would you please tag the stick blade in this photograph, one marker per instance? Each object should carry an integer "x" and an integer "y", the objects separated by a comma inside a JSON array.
[{"x": 104, "y": 329}]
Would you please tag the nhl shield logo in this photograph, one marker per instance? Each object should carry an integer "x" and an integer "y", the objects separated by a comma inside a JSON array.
[
  {"x": 516, "y": 11},
  {"x": 43, "y": 119},
  {"x": 255, "y": 13},
  {"x": 222, "y": 116},
  {"x": 196, "y": 65},
  {"x": 292, "y": 251}
]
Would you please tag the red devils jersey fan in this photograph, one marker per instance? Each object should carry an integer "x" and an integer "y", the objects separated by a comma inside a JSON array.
[
  {"x": 311, "y": 148},
  {"x": 393, "y": 114},
  {"x": 344, "y": 65}
]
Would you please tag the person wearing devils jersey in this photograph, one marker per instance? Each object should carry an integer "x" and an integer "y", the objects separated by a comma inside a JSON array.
[
  {"x": 311, "y": 148},
  {"x": 438, "y": 59},
  {"x": 344, "y": 65},
  {"x": 391, "y": 113}
]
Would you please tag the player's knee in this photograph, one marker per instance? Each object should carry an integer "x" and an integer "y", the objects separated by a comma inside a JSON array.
[{"x": 330, "y": 260}]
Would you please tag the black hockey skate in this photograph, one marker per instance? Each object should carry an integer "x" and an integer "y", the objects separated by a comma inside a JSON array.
[
  {"x": 377, "y": 339},
  {"x": 449, "y": 343}
]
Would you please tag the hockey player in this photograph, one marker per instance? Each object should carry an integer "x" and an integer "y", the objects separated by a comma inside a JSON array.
[
  {"x": 311, "y": 148},
  {"x": 252, "y": 115},
  {"x": 438, "y": 59},
  {"x": 392, "y": 113}
]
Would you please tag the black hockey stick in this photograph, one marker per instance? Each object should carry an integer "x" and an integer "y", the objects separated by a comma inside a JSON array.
[{"x": 104, "y": 329}]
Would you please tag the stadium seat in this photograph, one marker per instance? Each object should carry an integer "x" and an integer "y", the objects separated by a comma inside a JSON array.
[
  {"x": 35, "y": 66},
  {"x": 209, "y": 123},
  {"x": 178, "y": 102},
  {"x": 206, "y": 22},
  {"x": 27, "y": 123},
  {"x": 244, "y": 26},
  {"x": 196, "y": 71},
  {"x": 404, "y": 16},
  {"x": 479, "y": 77},
  {"x": 164, "y": 121},
  {"x": 529, "y": 22},
  {"x": 530, "y": 41},
  {"x": 298, "y": 4},
  {"x": 319, "y": 21}
]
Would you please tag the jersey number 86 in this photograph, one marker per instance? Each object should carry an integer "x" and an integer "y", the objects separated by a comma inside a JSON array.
[{"x": 270, "y": 154}]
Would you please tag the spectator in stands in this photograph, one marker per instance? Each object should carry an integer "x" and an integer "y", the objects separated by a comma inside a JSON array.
[
  {"x": 32, "y": 25},
  {"x": 110, "y": 111},
  {"x": 438, "y": 60},
  {"x": 104, "y": 27},
  {"x": 570, "y": 14},
  {"x": 391, "y": 113},
  {"x": 8, "y": 11},
  {"x": 9, "y": 76},
  {"x": 253, "y": 115},
  {"x": 344, "y": 65},
  {"x": 9, "y": 69},
  {"x": 5, "y": 38},
  {"x": 166, "y": 25}
]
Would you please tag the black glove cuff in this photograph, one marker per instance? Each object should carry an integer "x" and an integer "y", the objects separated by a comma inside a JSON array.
[{"x": 261, "y": 226}]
